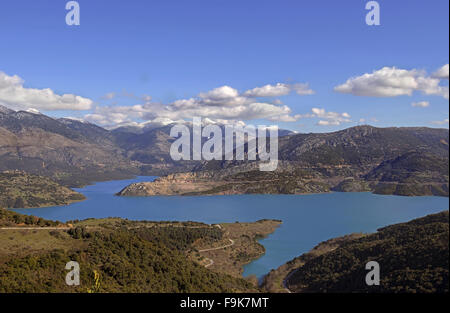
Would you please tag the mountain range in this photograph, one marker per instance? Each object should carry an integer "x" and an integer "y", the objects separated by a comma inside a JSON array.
[
  {"x": 402, "y": 161},
  {"x": 410, "y": 161},
  {"x": 75, "y": 152}
]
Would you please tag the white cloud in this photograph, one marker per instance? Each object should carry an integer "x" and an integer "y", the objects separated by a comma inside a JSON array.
[
  {"x": 277, "y": 102},
  {"x": 328, "y": 123},
  {"x": 160, "y": 122},
  {"x": 327, "y": 118},
  {"x": 421, "y": 104},
  {"x": 220, "y": 93},
  {"x": 442, "y": 73},
  {"x": 223, "y": 103},
  {"x": 279, "y": 90},
  {"x": 392, "y": 82},
  {"x": 14, "y": 95},
  {"x": 269, "y": 91},
  {"x": 155, "y": 123},
  {"x": 445, "y": 121}
]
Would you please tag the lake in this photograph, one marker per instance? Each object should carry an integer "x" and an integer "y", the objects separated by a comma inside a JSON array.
[{"x": 307, "y": 219}]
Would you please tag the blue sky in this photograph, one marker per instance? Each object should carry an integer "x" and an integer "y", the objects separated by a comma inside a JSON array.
[{"x": 175, "y": 50}]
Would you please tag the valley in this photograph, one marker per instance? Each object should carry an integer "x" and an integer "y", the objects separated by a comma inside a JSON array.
[
  {"x": 337, "y": 175},
  {"x": 307, "y": 219},
  {"x": 216, "y": 156}
]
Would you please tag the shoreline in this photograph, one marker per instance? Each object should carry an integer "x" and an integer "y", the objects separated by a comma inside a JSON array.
[
  {"x": 204, "y": 184},
  {"x": 50, "y": 206},
  {"x": 123, "y": 193}
]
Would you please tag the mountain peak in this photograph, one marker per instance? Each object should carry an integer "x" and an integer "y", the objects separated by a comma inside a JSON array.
[
  {"x": 72, "y": 120},
  {"x": 5, "y": 110},
  {"x": 30, "y": 115},
  {"x": 33, "y": 111}
]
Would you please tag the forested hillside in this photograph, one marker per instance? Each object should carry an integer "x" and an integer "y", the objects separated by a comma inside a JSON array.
[
  {"x": 114, "y": 255},
  {"x": 413, "y": 257},
  {"x": 21, "y": 190}
]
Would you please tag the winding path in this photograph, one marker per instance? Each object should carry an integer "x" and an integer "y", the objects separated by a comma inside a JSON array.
[
  {"x": 211, "y": 261},
  {"x": 218, "y": 248}
]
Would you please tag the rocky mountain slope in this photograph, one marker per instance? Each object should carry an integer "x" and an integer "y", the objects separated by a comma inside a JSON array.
[
  {"x": 402, "y": 161},
  {"x": 68, "y": 151},
  {"x": 74, "y": 152}
]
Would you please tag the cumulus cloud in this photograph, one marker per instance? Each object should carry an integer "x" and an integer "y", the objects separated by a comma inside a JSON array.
[
  {"x": 269, "y": 91},
  {"x": 328, "y": 123},
  {"x": 278, "y": 90},
  {"x": 392, "y": 82},
  {"x": 327, "y": 118},
  {"x": 14, "y": 95},
  {"x": 421, "y": 104},
  {"x": 220, "y": 104},
  {"x": 277, "y": 102},
  {"x": 224, "y": 104},
  {"x": 330, "y": 118},
  {"x": 442, "y": 73},
  {"x": 221, "y": 93}
]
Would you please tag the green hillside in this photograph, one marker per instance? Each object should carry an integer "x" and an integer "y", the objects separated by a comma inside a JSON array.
[
  {"x": 21, "y": 190},
  {"x": 413, "y": 257},
  {"x": 115, "y": 255}
]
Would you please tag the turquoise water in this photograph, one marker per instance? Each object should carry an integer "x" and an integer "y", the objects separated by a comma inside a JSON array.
[{"x": 307, "y": 219}]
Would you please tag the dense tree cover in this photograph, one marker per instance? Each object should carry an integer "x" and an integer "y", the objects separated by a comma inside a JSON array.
[
  {"x": 147, "y": 259},
  {"x": 9, "y": 218},
  {"x": 179, "y": 238},
  {"x": 413, "y": 257},
  {"x": 22, "y": 190}
]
